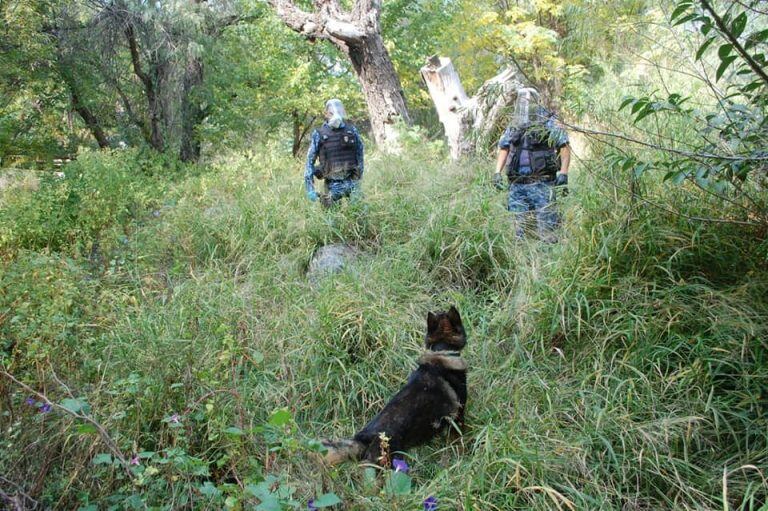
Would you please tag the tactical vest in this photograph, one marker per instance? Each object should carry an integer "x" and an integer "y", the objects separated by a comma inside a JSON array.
[
  {"x": 544, "y": 160},
  {"x": 338, "y": 153}
]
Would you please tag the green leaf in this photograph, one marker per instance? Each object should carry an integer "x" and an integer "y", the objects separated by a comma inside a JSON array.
[
  {"x": 645, "y": 113},
  {"x": 369, "y": 477},
  {"x": 209, "y": 489},
  {"x": 327, "y": 500},
  {"x": 399, "y": 484},
  {"x": 625, "y": 103},
  {"x": 280, "y": 418},
  {"x": 739, "y": 24},
  {"x": 315, "y": 445},
  {"x": 680, "y": 9},
  {"x": 703, "y": 47},
  {"x": 103, "y": 458},
  {"x": 234, "y": 431},
  {"x": 86, "y": 429},
  {"x": 756, "y": 38},
  {"x": 724, "y": 50},
  {"x": 724, "y": 66},
  {"x": 639, "y": 104},
  {"x": 684, "y": 19},
  {"x": 75, "y": 405},
  {"x": 269, "y": 503}
]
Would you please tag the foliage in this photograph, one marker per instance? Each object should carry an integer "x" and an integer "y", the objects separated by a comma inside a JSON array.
[
  {"x": 261, "y": 85},
  {"x": 622, "y": 366},
  {"x": 161, "y": 347},
  {"x": 723, "y": 146},
  {"x": 30, "y": 93},
  {"x": 71, "y": 211}
]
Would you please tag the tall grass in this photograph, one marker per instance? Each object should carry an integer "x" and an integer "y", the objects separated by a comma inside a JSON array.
[{"x": 622, "y": 368}]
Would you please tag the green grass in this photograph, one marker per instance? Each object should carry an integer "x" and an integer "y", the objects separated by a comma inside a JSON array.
[{"x": 623, "y": 368}]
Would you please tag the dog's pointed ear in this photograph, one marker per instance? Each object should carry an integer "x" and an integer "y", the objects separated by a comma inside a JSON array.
[
  {"x": 454, "y": 317},
  {"x": 431, "y": 322}
]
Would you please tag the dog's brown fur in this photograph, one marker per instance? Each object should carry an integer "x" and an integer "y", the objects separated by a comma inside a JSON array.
[{"x": 436, "y": 391}]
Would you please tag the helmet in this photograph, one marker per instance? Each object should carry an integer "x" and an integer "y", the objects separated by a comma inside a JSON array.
[
  {"x": 528, "y": 109},
  {"x": 335, "y": 112}
]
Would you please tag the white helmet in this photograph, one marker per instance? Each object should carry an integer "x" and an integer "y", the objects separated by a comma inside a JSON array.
[
  {"x": 527, "y": 107},
  {"x": 336, "y": 113}
]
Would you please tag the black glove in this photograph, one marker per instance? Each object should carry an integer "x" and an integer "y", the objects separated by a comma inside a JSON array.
[
  {"x": 498, "y": 182},
  {"x": 561, "y": 182}
]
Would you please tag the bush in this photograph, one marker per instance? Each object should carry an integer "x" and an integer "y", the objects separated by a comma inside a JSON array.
[
  {"x": 620, "y": 368},
  {"x": 98, "y": 191}
]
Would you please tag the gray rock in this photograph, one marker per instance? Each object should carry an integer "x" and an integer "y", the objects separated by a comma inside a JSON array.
[{"x": 330, "y": 259}]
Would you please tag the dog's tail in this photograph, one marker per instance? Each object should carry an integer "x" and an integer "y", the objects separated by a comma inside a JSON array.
[{"x": 340, "y": 451}]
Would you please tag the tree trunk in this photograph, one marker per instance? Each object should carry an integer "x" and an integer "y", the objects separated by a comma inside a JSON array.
[
  {"x": 469, "y": 122},
  {"x": 90, "y": 120},
  {"x": 381, "y": 87},
  {"x": 192, "y": 113},
  {"x": 357, "y": 33},
  {"x": 449, "y": 98},
  {"x": 150, "y": 83},
  {"x": 301, "y": 126}
]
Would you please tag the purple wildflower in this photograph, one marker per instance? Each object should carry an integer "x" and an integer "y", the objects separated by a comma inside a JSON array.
[
  {"x": 135, "y": 460},
  {"x": 30, "y": 401},
  {"x": 175, "y": 419},
  {"x": 45, "y": 408},
  {"x": 430, "y": 503},
  {"x": 400, "y": 465},
  {"x": 311, "y": 505}
]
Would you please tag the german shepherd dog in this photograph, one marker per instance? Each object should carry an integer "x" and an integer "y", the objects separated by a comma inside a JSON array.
[{"x": 435, "y": 392}]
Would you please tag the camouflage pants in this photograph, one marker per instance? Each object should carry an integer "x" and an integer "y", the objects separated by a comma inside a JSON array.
[
  {"x": 526, "y": 200},
  {"x": 337, "y": 189}
]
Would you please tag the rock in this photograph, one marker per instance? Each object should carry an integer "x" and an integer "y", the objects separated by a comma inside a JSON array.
[{"x": 330, "y": 259}]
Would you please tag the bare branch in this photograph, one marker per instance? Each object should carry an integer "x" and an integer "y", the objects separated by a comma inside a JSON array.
[
  {"x": 102, "y": 432},
  {"x": 689, "y": 154},
  {"x": 347, "y": 32},
  {"x": 297, "y": 19}
]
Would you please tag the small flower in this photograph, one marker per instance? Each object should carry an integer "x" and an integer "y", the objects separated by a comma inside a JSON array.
[
  {"x": 175, "y": 419},
  {"x": 45, "y": 408},
  {"x": 156, "y": 213},
  {"x": 430, "y": 503},
  {"x": 30, "y": 401},
  {"x": 135, "y": 460},
  {"x": 400, "y": 465},
  {"x": 311, "y": 505}
]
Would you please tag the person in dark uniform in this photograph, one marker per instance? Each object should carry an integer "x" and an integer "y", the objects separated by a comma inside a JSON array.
[
  {"x": 338, "y": 147},
  {"x": 536, "y": 154}
]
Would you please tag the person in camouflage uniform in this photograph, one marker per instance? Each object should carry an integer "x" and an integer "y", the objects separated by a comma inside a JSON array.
[
  {"x": 536, "y": 154},
  {"x": 338, "y": 146}
]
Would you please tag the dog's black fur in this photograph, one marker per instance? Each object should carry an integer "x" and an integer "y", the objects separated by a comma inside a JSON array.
[{"x": 436, "y": 391}]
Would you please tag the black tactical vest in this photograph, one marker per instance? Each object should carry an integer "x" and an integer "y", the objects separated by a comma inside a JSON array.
[
  {"x": 338, "y": 152},
  {"x": 544, "y": 159}
]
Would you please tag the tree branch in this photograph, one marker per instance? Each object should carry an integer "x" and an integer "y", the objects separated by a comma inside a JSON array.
[
  {"x": 689, "y": 154},
  {"x": 347, "y": 32},
  {"x": 734, "y": 41},
  {"x": 133, "y": 46},
  {"x": 102, "y": 432},
  {"x": 297, "y": 19}
]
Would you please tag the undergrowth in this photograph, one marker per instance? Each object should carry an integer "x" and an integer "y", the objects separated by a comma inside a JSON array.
[{"x": 622, "y": 368}]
